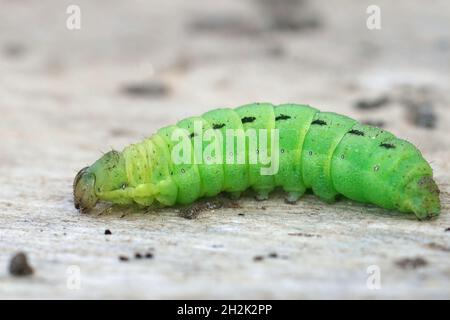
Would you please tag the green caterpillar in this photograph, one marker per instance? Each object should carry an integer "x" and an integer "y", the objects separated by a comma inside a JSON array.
[{"x": 323, "y": 151}]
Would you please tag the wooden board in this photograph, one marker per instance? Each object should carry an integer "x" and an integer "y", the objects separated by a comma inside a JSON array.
[{"x": 66, "y": 96}]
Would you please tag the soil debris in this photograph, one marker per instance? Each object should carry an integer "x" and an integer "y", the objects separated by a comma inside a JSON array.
[
  {"x": 411, "y": 263},
  {"x": 124, "y": 258},
  {"x": 302, "y": 234},
  {"x": 438, "y": 246},
  {"x": 230, "y": 204},
  {"x": 14, "y": 50},
  {"x": 418, "y": 104},
  {"x": 290, "y": 15},
  {"x": 194, "y": 210},
  {"x": 370, "y": 104},
  {"x": 120, "y": 132},
  {"x": 224, "y": 24},
  {"x": 422, "y": 116},
  {"x": 374, "y": 123},
  {"x": 154, "y": 89},
  {"x": 19, "y": 266}
]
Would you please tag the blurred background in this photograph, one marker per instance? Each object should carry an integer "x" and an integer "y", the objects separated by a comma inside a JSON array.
[
  {"x": 132, "y": 66},
  {"x": 78, "y": 78}
]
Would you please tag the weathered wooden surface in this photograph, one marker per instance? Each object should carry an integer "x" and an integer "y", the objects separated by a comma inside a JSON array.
[{"x": 65, "y": 96}]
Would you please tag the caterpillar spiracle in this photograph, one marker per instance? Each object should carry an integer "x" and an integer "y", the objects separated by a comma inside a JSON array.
[{"x": 307, "y": 149}]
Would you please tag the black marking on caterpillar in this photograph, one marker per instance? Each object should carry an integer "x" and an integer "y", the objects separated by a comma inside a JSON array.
[
  {"x": 282, "y": 117},
  {"x": 248, "y": 119},
  {"x": 387, "y": 145},
  {"x": 356, "y": 132},
  {"x": 319, "y": 122},
  {"x": 218, "y": 125}
]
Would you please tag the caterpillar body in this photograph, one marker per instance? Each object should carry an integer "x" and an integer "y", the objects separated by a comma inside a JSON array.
[{"x": 329, "y": 153}]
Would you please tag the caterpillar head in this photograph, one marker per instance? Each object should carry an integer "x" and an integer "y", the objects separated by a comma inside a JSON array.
[
  {"x": 84, "y": 190},
  {"x": 106, "y": 174},
  {"x": 422, "y": 197}
]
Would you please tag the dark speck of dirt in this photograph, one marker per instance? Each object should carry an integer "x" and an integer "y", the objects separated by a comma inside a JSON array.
[
  {"x": 273, "y": 255},
  {"x": 224, "y": 24},
  {"x": 18, "y": 266},
  {"x": 422, "y": 116},
  {"x": 154, "y": 89},
  {"x": 124, "y": 258},
  {"x": 411, "y": 263},
  {"x": 374, "y": 123},
  {"x": 14, "y": 50},
  {"x": 289, "y": 15},
  {"x": 418, "y": 104},
  {"x": 108, "y": 232},
  {"x": 276, "y": 51},
  {"x": 309, "y": 23},
  {"x": 140, "y": 256},
  {"x": 258, "y": 258},
  {"x": 149, "y": 255},
  {"x": 370, "y": 104},
  {"x": 437, "y": 246},
  {"x": 121, "y": 132},
  {"x": 241, "y": 214},
  {"x": 307, "y": 235},
  {"x": 447, "y": 230},
  {"x": 230, "y": 204}
]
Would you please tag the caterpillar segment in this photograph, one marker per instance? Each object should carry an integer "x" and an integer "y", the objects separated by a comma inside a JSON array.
[{"x": 329, "y": 153}]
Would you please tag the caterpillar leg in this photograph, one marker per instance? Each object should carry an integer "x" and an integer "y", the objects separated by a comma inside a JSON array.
[
  {"x": 235, "y": 195},
  {"x": 293, "y": 196},
  {"x": 165, "y": 192},
  {"x": 262, "y": 195},
  {"x": 330, "y": 198},
  {"x": 144, "y": 194},
  {"x": 120, "y": 196}
]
